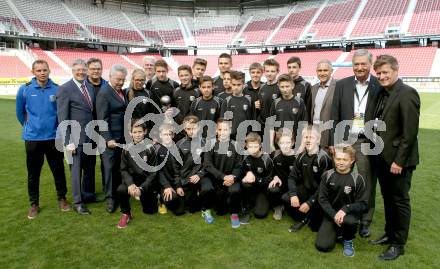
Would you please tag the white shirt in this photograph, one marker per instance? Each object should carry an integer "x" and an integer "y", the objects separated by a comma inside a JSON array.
[
  {"x": 319, "y": 101},
  {"x": 360, "y": 99}
]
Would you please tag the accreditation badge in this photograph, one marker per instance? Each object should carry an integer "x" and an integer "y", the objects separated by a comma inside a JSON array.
[{"x": 358, "y": 123}]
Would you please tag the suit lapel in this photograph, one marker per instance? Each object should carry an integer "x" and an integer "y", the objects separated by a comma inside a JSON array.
[
  {"x": 372, "y": 92},
  {"x": 330, "y": 90},
  {"x": 393, "y": 96},
  {"x": 116, "y": 95}
]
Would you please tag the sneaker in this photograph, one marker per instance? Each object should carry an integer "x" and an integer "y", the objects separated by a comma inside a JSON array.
[
  {"x": 162, "y": 209},
  {"x": 297, "y": 226},
  {"x": 124, "y": 220},
  {"x": 206, "y": 214},
  {"x": 278, "y": 212},
  {"x": 33, "y": 211},
  {"x": 348, "y": 248},
  {"x": 245, "y": 217},
  {"x": 235, "y": 221},
  {"x": 64, "y": 205}
]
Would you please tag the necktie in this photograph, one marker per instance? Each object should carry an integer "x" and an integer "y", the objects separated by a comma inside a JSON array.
[{"x": 86, "y": 95}]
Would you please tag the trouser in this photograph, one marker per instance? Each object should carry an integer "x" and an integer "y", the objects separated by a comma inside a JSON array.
[
  {"x": 314, "y": 216},
  {"x": 112, "y": 173},
  {"x": 80, "y": 168},
  {"x": 275, "y": 195},
  {"x": 395, "y": 193},
  {"x": 199, "y": 196},
  {"x": 364, "y": 168},
  {"x": 255, "y": 195},
  {"x": 176, "y": 204},
  {"x": 227, "y": 199},
  {"x": 148, "y": 198},
  {"x": 88, "y": 183},
  {"x": 329, "y": 231},
  {"x": 35, "y": 152}
]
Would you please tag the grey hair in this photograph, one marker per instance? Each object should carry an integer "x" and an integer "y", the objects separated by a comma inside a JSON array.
[
  {"x": 150, "y": 59},
  {"x": 118, "y": 68},
  {"x": 325, "y": 61},
  {"x": 363, "y": 52},
  {"x": 79, "y": 62}
]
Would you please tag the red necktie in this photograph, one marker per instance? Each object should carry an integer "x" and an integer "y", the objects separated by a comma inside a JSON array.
[{"x": 86, "y": 95}]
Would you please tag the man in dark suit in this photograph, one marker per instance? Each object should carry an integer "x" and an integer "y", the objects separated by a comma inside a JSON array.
[
  {"x": 75, "y": 103},
  {"x": 355, "y": 100},
  {"x": 399, "y": 108},
  {"x": 111, "y": 104},
  {"x": 322, "y": 99}
]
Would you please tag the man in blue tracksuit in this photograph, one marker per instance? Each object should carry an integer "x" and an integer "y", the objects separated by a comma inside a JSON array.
[{"x": 36, "y": 111}]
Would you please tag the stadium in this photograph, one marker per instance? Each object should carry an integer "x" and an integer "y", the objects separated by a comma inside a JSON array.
[{"x": 179, "y": 31}]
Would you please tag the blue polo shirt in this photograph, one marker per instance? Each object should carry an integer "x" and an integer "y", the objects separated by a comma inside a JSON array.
[{"x": 36, "y": 110}]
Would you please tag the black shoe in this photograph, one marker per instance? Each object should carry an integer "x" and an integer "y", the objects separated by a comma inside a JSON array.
[
  {"x": 244, "y": 216},
  {"x": 364, "y": 230},
  {"x": 383, "y": 240},
  {"x": 81, "y": 209},
  {"x": 111, "y": 206},
  {"x": 296, "y": 227},
  {"x": 392, "y": 253}
]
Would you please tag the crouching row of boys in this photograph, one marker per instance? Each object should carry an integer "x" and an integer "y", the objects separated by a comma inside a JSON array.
[{"x": 304, "y": 183}]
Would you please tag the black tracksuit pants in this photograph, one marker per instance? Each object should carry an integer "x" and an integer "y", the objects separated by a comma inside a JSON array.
[
  {"x": 35, "y": 152},
  {"x": 329, "y": 231},
  {"x": 199, "y": 196},
  {"x": 314, "y": 216},
  {"x": 148, "y": 198}
]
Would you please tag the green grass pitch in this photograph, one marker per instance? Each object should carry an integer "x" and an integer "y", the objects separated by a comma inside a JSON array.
[{"x": 58, "y": 239}]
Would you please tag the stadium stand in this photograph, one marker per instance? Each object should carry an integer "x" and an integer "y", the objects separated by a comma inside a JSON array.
[
  {"x": 169, "y": 30},
  {"x": 211, "y": 69},
  {"x": 423, "y": 56},
  {"x": 55, "y": 68},
  {"x": 377, "y": 16},
  {"x": 13, "y": 67},
  {"x": 426, "y": 18},
  {"x": 50, "y": 18},
  {"x": 242, "y": 62},
  {"x": 334, "y": 19},
  {"x": 144, "y": 24},
  {"x": 213, "y": 31},
  {"x": 259, "y": 29}
]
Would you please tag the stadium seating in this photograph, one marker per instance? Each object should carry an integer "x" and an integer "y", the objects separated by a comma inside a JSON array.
[
  {"x": 242, "y": 62},
  {"x": 13, "y": 67},
  {"x": 259, "y": 29},
  {"x": 143, "y": 23},
  {"x": 8, "y": 19},
  {"x": 378, "y": 15},
  {"x": 308, "y": 60},
  {"x": 137, "y": 59},
  {"x": 108, "y": 58},
  {"x": 168, "y": 29},
  {"x": 49, "y": 18},
  {"x": 212, "y": 31},
  {"x": 407, "y": 57},
  {"x": 426, "y": 18},
  {"x": 55, "y": 68},
  {"x": 333, "y": 20},
  {"x": 293, "y": 27}
]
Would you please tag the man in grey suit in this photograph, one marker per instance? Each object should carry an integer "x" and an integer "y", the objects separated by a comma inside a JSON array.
[
  {"x": 75, "y": 102},
  {"x": 322, "y": 99},
  {"x": 399, "y": 108},
  {"x": 111, "y": 103},
  {"x": 355, "y": 100}
]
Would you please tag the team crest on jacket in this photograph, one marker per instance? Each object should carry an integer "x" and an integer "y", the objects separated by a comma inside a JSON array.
[
  {"x": 52, "y": 98},
  {"x": 274, "y": 96},
  {"x": 245, "y": 107},
  {"x": 145, "y": 158},
  {"x": 229, "y": 153},
  {"x": 347, "y": 189},
  {"x": 290, "y": 167},
  {"x": 260, "y": 170},
  {"x": 144, "y": 101},
  {"x": 212, "y": 110},
  {"x": 315, "y": 169},
  {"x": 294, "y": 110},
  {"x": 191, "y": 98}
]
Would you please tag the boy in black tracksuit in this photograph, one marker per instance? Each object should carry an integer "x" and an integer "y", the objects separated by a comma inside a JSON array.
[
  {"x": 185, "y": 94},
  {"x": 269, "y": 91},
  {"x": 303, "y": 182},
  {"x": 137, "y": 181},
  {"x": 207, "y": 106},
  {"x": 224, "y": 65},
  {"x": 227, "y": 90},
  {"x": 240, "y": 105},
  {"x": 192, "y": 172},
  {"x": 161, "y": 85},
  {"x": 222, "y": 166},
  {"x": 288, "y": 109},
  {"x": 302, "y": 87},
  {"x": 283, "y": 160},
  {"x": 257, "y": 170},
  {"x": 253, "y": 86},
  {"x": 343, "y": 198},
  {"x": 171, "y": 187}
]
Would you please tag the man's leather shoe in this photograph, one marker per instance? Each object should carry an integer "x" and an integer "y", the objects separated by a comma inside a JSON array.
[
  {"x": 392, "y": 253},
  {"x": 364, "y": 230},
  {"x": 383, "y": 240},
  {"x": 111, "y": 206},
  {"x": 81, "y": 209}
]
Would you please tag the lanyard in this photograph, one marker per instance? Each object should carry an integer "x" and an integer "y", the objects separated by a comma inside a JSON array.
[{"x": 359, "y": 102}]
